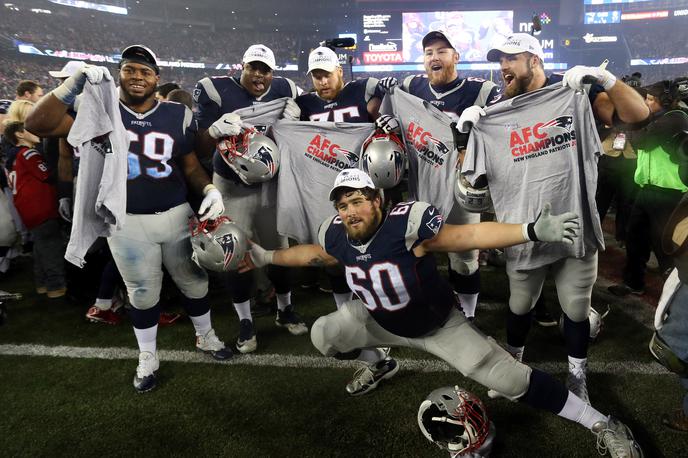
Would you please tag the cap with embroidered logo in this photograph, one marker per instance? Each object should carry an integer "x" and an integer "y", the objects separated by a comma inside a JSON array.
[
  {"x": 516, "y": 44},
  {"x": 322, "y": 58},
  {"x": 351, "y": 178},
  {"x": 260, "y": 53}
]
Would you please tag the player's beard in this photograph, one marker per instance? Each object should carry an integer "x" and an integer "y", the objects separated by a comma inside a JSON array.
[
  {"x": 138, "y": 99},
  {"x": 363, "y": 234},
  {"x": 446, "y": 76},
  {"x": 520, "y": 84}
]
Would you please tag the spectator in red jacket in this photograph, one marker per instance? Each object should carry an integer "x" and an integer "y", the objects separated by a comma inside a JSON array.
[{"x": 36, "y": 201}]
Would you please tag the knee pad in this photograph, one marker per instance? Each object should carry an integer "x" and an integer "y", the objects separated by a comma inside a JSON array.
[
  {"x": 503, "y": 373},
  {"x": 464, "y": 263},
  {"x": 577, "y": 309},
  {"x": 324, "y": 335},
  {"x": 143, "y": 297}
]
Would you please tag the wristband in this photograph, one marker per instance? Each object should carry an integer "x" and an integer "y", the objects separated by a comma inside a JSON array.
[
  {"x": 528, "y": 231},
  {"x": 209, "y": 187}
]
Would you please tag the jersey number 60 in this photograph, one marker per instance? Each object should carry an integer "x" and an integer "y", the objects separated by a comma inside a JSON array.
[{"x": 388, "y": 289}]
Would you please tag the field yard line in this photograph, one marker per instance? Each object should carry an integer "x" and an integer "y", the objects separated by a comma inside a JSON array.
[{"x": 301, "y": 361}]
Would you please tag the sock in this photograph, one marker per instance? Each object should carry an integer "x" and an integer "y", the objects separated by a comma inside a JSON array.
[
  {"x": 577, "y": 337},
  {"x": 146, "y": 338},
  {"x": 243, "y": 309},
  {"x": 469, "y": 302},
  {"x": 517, "y": 327},
  {"x": 371, "y": 355},
  {"x": 577, "y": 365},
  {"x": 201, "y": 323},
  {"x": 103, "y": 304},
  {"x": 341, "y": 298},
  {"x": 283, "y": 300},
  {"x": 516, "y": 352},
  {"x": 577, "y": 410}
]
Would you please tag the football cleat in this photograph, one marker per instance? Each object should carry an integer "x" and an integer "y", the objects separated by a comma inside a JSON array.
[
  {"x": 615, "y": 438},
  {"x": 213, "y": 346},
  {"x": 289, "y": 319},
  {"x": 144, "y": 380},
  {"x": 576, "y": 383},
  {"x": 367, "y": 378},
  {"x": 246, "y": 343},
  {"x": 96, "y": 315}
]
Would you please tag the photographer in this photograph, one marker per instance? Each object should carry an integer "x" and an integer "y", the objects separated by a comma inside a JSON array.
[{"x": 660, "y": 186}]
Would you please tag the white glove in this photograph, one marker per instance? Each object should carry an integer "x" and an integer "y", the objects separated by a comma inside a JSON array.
[
  {"x": 260, "y": 256},
  {"x": 228, "y": 125},
  {"x": 387, "y": 124},
  {"x": 469, "y": 117},
  {"x": 580, "y": 75},
  {"x": 67, "y": 91},
  {"x": 65, "y": 209},
  {"x": 387, "y": 83},
  {"x": 292, "y": 112},
  {"x": 211, "y": 206},
  {"x": 552, "y": 228}
]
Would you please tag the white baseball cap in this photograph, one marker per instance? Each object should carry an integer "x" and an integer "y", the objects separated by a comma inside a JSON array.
[
  {"x": 322, "y": 58},
  {"x": 68, "y": 70},
  {"x": 260, "y": 53},
  {"x": 352, "y": 178},
  {"x": 516, "y": 44}
]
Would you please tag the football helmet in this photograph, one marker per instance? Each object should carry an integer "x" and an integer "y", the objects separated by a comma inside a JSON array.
[
  {"x": 218, "y": 244},
  {"x": 251, "y": 154},
  {"x": 383, "y": 158},
  {"x": 475, "y": 199},
  {"x": 596, "y": 320},
  {"x": 454, "y": 419}
]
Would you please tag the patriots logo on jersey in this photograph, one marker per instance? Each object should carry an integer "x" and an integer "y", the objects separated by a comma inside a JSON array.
[
  {"x": 263, "y": 155},
  {"x": 564, "y": 122},
  {"x": 228, "y": 244},
  {"x": 196, "y": 95},
  {"x": 435, "y": 223}
]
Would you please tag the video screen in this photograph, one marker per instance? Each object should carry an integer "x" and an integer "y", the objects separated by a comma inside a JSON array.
[{"x": 472, "y": 33}]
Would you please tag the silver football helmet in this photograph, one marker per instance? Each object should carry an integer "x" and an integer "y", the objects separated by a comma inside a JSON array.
[
  {"x": 251, "y": 154},
  {"x": 218, "y": 244},
  {"x": 596, "y": 320},
  {"x": 454, "y": 419},
  {"x": 384, "y": 159},
  {"x": 475, "y": 199}
]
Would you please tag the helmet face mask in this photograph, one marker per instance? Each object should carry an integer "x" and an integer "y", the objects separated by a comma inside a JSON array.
[
  {"x": 384, "y": 159},
  {"x": 454, "y": 419},
  {"x": 251, "y": 154},
  {"x": 218, "y": 245}
]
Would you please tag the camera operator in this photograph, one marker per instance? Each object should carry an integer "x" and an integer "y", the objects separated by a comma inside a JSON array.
[
  {"x": 660, "y": 186},
  {"x": 669, "y": 344}
]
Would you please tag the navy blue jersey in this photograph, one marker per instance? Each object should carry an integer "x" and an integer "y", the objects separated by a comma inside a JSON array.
[
  {"x": 350, "y": 105},
  {"x": 157, "y": 138},
  {"x": 217, "y": 95},
  {"x": 454, "y": 97},
  {"x": 554, "y": 78},
  {"x": 405, "y": 294}
]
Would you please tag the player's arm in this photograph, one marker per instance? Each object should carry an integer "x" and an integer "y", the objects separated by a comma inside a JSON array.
[
  {"x": 622, "y": 102},
  {"x": 546, "y": 228},
  {"x": 50, "y": 117},
  {"x": 212, "y": 206},
  {"x": 296, "y": 256},
  {"x": 374, "y": 94}
]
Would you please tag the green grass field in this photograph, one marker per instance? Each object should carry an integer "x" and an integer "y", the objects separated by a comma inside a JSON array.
[{"x": 65, "y": 388}]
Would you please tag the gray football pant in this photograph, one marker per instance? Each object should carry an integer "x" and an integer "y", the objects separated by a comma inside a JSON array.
[
  {"x": 457, "y": 342},
  {"x": 573, "y": 277},
  {"x": 145, "y": 243},
  {"x": 466, "y": 262}
]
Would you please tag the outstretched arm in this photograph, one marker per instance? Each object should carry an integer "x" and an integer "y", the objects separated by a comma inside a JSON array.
[
  {"x": 296, "y": 256},
  {"x": 546, "y": 228}
]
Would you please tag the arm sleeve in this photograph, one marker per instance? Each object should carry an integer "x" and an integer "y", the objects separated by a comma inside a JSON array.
[
  {"x": 424, "y": 222},
  {"x": 207, "y": 102},
  {"x": 488, "y": 91},
  {"x": 189, "y": 130},
  {"x": 373, "y": 90},
  {"x": 36, "y": 165},
  {"x": 322, "y": 231}
]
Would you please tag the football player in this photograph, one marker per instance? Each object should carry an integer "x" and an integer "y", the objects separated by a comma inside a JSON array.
[
  {"x": 217, "y": 98},
  {"x": 389, "y": 262},
  {"x": 613, "y": 103},
  {"x": 155, "y": 231},
  {"x": 443, "y": 88}
]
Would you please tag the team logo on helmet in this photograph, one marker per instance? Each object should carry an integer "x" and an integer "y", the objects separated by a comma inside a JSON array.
[
  {"x": 228, "y": 243},
  {"x": 264, "y": 155}
]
